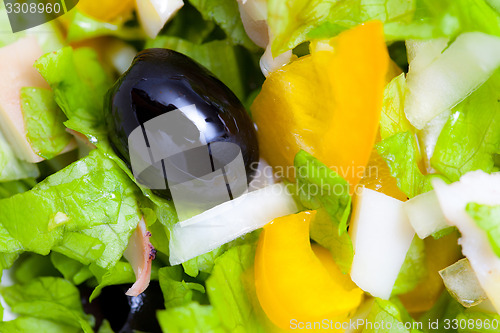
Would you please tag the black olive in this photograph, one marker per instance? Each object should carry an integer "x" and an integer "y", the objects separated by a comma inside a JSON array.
[
  {"x": 126, "y": 314},
  {"x": 160, "y": 81}
]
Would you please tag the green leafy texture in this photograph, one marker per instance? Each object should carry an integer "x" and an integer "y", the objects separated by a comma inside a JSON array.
[
  {"x": 121, "y": 273},
  {"x": 393, "y": 119},
  {"x": 79, "y": 83},
  {"x": 471, "y": 136},
  {"x": 44, "y": 120},
  {"x": 445, "y": 308},
  {"x": 189, "y": 25},
  {"x": 71, "y": 269},
  {"x": 400, "y": 152},
  {"x": 105, "y": 327},
  {"x": 49, "y": 298},
  {"x": 7, "y": 260},
  {"x": 31, "y": 266},
  {"x": 8, "y": 189},
  {"x": 291, "y": 24},
  {"x": 391, "y": 313},
  {"x": 290, "y": 21},
  {"x": 209, "y": 55},
  {"x": 83, "y": 27},
  {"x": 488, "y": 219},
  {"x": 319, "y": 186},
  {"x": 476, "y": 322},
  {"x": 231, "y": 291},
  {"x": 11, "y": 168},
  {"x": 323, "y": 189},
  {"x": 204, "y": 263},
  {"x": 226, "y": 14},
  {"x": 193, "y": 317},
  {"x": 176, "y": 291},
  {"x": 87, "y": 211},
  {"x": 414, "y": 268},
  {"x": 31, "y": 324},
  {"x": 415, "y": 19}
]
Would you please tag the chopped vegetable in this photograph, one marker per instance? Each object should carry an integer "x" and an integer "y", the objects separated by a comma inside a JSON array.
[
  {"x": 425, "y": 215},
  {"x": 462, "y": 283},
  {"x": 332, "y": 97},
  {"x": 293, "y": 281},
  {"x": 478, "y": 187},
  {"x": 381, "y": 235},
  {"x": 228, "y": 221},
  {"x": 466, "y": 64}
]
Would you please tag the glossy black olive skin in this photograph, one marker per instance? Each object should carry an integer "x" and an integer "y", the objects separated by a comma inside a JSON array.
[
  {"x": 126, "y": 314},
  {"x": 162, "y": 80}
]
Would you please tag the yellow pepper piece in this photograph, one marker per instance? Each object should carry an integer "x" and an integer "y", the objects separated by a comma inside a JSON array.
[
  {"x": 106, "y": 10},
  {"x": 293, "y": 281},
  {"x": 327, "y": 103}
]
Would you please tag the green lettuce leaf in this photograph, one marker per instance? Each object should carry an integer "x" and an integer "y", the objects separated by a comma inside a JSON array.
[
  {"x": 488, "y": 219},
  {"x": 477, "y": 322},
  {"x": 204, "y": 263},
  {"x": 8, "y": 189},
  {"x": 31, "y": 266},
  {"x": 176, "y": 291},
  {"x": 319, "y": 186},
  {"x": 120, "y": 273},
  {"x": 393, "y": 314},
  {"x": 444, "y": 310},
  {"x": 323, "y": 189},
  {"x": 471, "y": 137},
  {"x": 414, "y": 268},
  {"x": 79, "y": 83},
  {"x": 393, "y": 119},
  {"x": 290, "y": 21},
  {"x": 400, "y": 151},
  {"x": 44, "y": 120},
  {"x": 87, "y": 211},
  {"x": 105, "y": 327},
  {"x": 11, "y": 168},
  {"x": 83, "y": 27},
  {"x": 190, "y": 318},
  {"x": 231, "y": 291},
  {"x": 189, "y": 25},
  {"x": 71, "y": 269},
  {"x": 49, "y": 298},
  {"x": 30, "y": 324},
  {"x": 7, "y": 260},
  {"x": 208, "y": 54},
  {"x": 226, "y": 14},
  {"x": 291, "y": 25}
]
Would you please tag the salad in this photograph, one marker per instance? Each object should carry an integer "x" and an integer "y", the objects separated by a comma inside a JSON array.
[{"x": 251, "y": 166}]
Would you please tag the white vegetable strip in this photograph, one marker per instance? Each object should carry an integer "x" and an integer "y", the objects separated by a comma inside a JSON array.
[
  {"x": 228, "y": 221},
  {"x": 481, "y": 188},
  {"x": 153, "y": 14},
  {"x": 425, "y": 215},
  {"x": 140, "y": 253},
  {"x": 381, "y": 236},
  {"x": 457, "y": 72}
]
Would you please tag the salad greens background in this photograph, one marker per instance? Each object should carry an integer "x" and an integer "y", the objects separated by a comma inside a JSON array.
[{"x": 69, "y": 221}]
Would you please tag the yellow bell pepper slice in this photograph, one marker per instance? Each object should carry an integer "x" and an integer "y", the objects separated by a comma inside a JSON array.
[
  {"x": 327, "y": 103},
  {"x": 295, "y": 280}
]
